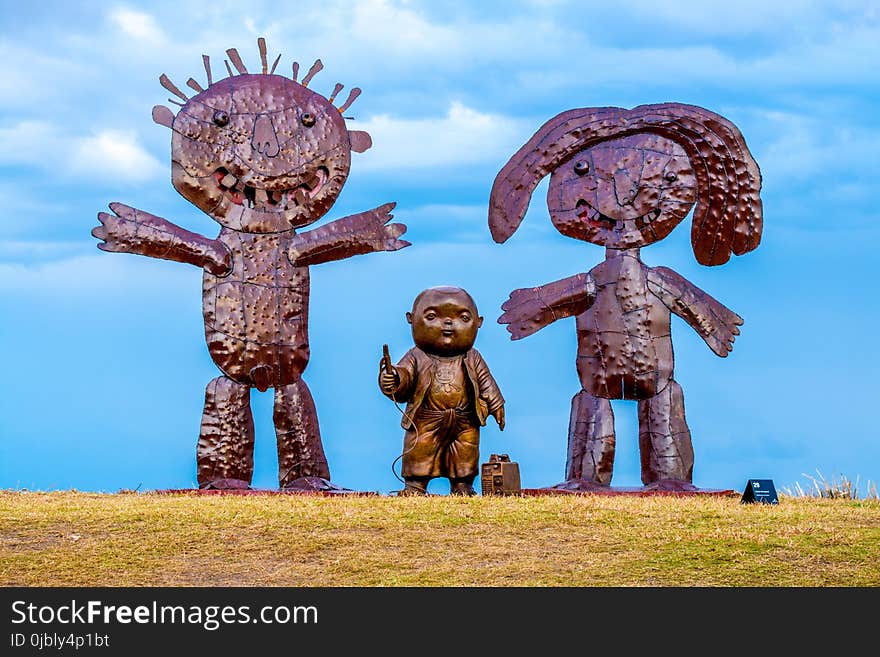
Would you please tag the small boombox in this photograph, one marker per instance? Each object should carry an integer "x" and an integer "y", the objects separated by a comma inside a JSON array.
[{"x": 500, "y": 476}]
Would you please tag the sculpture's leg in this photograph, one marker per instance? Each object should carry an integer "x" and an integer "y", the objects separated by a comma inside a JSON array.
[
  {"x": 300, "y": 452},
  {"x": 590, "y": 440},
  {"x": 225, "y": 454},
  {"x": 664, "y": 437}
]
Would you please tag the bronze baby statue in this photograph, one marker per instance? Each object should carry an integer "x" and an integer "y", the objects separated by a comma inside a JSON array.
[
  {"x": 448, "y": 389},
  {"x": 264, "y": 156},
  {"x": 623, "y": 179}
]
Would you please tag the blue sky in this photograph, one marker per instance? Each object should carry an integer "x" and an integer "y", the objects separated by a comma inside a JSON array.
[{"x": 103, "y": 355}]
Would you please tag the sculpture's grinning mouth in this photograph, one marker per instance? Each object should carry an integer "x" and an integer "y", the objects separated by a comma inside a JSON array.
[
  {"x": 270, "y": 199},
  {"x": 596, "y": 219}
]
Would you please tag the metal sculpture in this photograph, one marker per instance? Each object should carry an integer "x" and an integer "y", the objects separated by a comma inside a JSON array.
[
  {"x": 263, "y": 155},
  {"x": 448, "y": 390},
  {"x": 624, "y": 179}
]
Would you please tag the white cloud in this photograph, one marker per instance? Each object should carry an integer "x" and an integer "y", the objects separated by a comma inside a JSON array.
[
  {"x": 394, "y": 28},
  {"x": 809, "y": 148},
  {"x": 114, "y": 154},
  {"x": 106, "y": 155},
  {"x": 463, "y": 136},
  {"x": 137, "y": 25},
  {"x": 741, "y": 17}
]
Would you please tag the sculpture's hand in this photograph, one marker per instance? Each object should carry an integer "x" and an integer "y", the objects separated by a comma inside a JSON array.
[
  {"x": 389, "y": 379},
  {"x": 524, "y": 313},
  {"x": 116, "y": 230},
  {"x": 129, "y": 230},
  {"x": 499, "y": 417},
  {"x": 379, "y": 233},
  {"x": 725, "y": 328}
]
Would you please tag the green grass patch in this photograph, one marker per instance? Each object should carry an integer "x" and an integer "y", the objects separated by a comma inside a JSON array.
[{"x": 81, "y": 539}]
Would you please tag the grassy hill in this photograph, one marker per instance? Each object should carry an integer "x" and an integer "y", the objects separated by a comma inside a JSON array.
[{"x": 71, "y": 538}]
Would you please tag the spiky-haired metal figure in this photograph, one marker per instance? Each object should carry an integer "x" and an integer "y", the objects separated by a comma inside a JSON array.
[
  {"x": 263, "y": 155},
  {"x": 624, "y": 179}
]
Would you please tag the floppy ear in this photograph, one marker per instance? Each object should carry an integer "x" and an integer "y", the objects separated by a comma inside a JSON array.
[
  {"x": 163, "y": 116},
  {"x": 360, "y": 140}
]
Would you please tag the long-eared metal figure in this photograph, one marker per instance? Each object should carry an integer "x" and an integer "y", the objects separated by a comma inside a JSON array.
[{"x": 624, "y": 179}]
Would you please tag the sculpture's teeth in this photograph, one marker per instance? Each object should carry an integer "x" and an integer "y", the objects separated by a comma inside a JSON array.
[
  {"x": 261, "y": 197},
  {"x": 317, "y": 183},
  {"x": 229, "y": 180}
]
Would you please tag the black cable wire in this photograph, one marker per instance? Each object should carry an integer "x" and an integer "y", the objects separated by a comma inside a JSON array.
[{"x": 415, "y": 442}]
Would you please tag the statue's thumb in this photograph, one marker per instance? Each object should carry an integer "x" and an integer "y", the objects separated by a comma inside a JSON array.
[{"x": 386, "y": 359}]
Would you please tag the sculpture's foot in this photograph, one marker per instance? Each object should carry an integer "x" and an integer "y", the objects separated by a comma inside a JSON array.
[
  {"x": 675, "y": 485},
  {"x": 312, "y": 484},
  {"x": 462, "y": 489},
  {"x": 411, "y": 492},
  {"x": 584, "y": 485},
  {"x": 226, "y": 484}
]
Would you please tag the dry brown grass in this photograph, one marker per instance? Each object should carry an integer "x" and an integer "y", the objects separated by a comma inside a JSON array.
[
  {"x": 84, "y": 539},
  {"x": 840, "y": 486}
]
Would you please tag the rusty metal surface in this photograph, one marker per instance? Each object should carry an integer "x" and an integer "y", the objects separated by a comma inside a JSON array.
[
  {"x": 448, "y": 390},
  {"x": 623, "y": 179},
  {"x": 263, "y": 156}
]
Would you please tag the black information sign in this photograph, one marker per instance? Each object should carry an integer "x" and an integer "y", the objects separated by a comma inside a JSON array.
[{"x": 760, "y": 491}]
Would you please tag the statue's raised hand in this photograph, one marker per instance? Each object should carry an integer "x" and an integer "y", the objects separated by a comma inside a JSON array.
[
  {"x": 364, "y": 232},
  {"x": 129, "y": 230},
  {"x": 372, "y": 228}
]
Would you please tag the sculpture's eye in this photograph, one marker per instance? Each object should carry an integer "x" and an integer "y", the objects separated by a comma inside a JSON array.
[
  {"x": 582, "y": 168},
  {"x": 221, "y": 118},
  {"x": 670, "y": 177},
  {"x": 308, "y": 119}
]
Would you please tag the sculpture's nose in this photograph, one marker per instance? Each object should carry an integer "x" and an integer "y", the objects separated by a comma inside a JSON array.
[
  {"x": 625, "y": 188},
  {"x": 264, "y": 139}
]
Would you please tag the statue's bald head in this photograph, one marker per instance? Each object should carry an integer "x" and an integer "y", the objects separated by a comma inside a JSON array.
[
  {"x": 444, "y": 321},
  {"x": 432, "y": 294}
]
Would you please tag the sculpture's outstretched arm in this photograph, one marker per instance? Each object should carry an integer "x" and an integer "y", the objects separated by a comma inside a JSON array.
[
  {"x": 713, "y": 321},
  {"x": 364, "y": 232},
  {"x": 128, "y": 230},
  {"x": 530, "y": 309}
]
